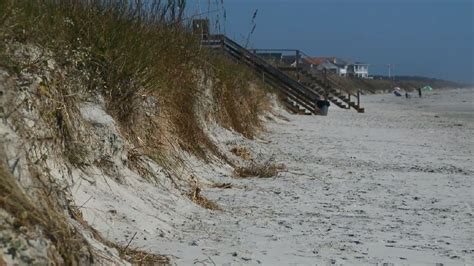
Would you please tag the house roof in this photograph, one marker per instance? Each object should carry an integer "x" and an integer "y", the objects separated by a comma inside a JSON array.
[
  {"x": 340, "y": 62},
  {"x": 360, "y": 63},
  {"x": 327, "y": 65},
  {"x": 315, "y": 60},
  {"x": 334, "y": 60}
]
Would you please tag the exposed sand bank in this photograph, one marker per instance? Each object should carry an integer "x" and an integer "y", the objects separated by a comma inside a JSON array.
[{"x": 391, "y": 185}]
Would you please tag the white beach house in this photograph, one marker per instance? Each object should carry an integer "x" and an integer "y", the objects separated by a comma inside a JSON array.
[{"x": 359, "y": 70}]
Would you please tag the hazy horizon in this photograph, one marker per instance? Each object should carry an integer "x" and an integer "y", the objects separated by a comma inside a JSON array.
[{"x": 419, "y": 37}]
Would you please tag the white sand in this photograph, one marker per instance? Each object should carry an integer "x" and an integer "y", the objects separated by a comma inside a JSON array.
[{"x": 392, "y": 185}]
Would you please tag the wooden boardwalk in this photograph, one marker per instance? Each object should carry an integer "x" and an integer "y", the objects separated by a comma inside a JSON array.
[{"x": 300, "y": 89}]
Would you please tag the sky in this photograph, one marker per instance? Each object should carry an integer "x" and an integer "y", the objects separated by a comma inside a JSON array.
[{"x": 432, "y": 38}]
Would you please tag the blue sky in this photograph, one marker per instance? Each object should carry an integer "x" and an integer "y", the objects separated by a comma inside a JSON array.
[{"x": 433, "y": 38}]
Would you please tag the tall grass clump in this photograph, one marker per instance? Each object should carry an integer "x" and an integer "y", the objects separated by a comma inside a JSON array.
[
  {"x": 242, "y": 100},
  {"x": 131, "y": 45}
]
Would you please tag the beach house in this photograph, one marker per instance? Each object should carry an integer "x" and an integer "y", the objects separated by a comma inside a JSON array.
[
  {"x": 341, "y": 67},
  {"x": 330, "y": 64},
  {"x": 359, "y": 70}
]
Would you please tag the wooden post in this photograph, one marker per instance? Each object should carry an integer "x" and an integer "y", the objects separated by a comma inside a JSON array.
[
  {"x": 358, "y": 97},
  {"x": 325, "y": 72},
  {"x": 201, "y": 28},
  {"x": 297, "y": 65}
]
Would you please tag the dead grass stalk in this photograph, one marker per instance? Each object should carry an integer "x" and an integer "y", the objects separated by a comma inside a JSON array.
[
  {"x": 196, "y": 197},
  {"x": 261, "y": 170}
]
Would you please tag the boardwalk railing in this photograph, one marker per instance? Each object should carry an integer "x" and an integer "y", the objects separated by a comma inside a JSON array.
[
  {"x": 300, "y": 86},
  {"x": 295, "y": 91}
]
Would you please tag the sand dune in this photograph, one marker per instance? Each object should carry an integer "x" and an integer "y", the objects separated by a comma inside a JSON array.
[{"x": 393, "y": 185}]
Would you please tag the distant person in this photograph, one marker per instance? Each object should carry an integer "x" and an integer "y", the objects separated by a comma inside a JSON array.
[
  {"x": 407, "y": 95},
  {"x": 419, "y": 92}
]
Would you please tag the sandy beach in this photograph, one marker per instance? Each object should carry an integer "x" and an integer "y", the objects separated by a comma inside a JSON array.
[
  {"x": 393, "y": 185},
  {"x": 177, "y": 132}
]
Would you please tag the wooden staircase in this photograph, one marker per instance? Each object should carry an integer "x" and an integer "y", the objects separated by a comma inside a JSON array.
[
  {"x": 298, "y": 97},
  {"x": 300, "y": 91},
  {"x": 328, "y": 86},
  {"x": 325, "y": 85}
]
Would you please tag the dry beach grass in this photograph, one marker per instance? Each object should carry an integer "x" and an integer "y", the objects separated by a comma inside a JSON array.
[
  {"x": 127, "y": 54},
  {"x": 148, "y": 71},
  {"x": 261, "y": 170}
]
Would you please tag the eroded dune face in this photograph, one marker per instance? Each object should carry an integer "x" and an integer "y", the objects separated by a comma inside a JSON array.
[
  {"x": 66, "y": 147},
  {"x": 391, "y": 185}
]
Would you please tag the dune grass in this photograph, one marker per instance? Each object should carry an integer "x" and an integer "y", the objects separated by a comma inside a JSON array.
[
  {"x": 128, "y": 49},
  {"x": 121, "y": 50}
]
